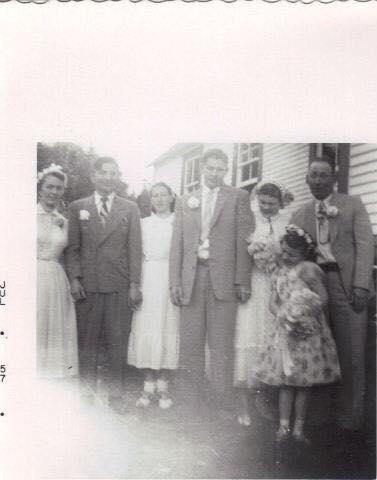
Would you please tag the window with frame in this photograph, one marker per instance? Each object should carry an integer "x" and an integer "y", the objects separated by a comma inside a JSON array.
[
  {"x": 249, "y": 165},
  {"x": 191, "y": 178}
]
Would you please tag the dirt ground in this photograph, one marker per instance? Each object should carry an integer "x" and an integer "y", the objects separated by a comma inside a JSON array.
[{"x": 72, "y": 441}]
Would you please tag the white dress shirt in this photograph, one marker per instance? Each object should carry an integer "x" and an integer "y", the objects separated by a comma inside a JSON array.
[
  {"x": 98, "y": 201},
  {"x": 324, "y": 249},
  {"x": 203, "y": 249}
]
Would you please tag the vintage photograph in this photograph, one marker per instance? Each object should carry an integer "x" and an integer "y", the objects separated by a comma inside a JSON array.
[{"x": 212, "y": 318}]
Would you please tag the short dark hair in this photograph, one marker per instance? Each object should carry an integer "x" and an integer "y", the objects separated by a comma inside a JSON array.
[
  {"x": 170, "y": 191},
  {"x": 325, "y": 159},
  {"x": 215, "y": 153},
  {"x": 101, "y": 161}
]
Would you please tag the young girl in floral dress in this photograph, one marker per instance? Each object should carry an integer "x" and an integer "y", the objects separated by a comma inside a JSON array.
[{"x": 302, "y": 351}]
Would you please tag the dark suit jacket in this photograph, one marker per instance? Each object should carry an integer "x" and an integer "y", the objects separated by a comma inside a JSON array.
[
  {"x": 351, "y": 238},
  {"x": 230, "y": 264},
  {"x": 104, "y": 259}
]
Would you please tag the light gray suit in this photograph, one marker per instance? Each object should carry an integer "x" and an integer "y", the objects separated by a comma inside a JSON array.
[
  {"x": 351, "y": 241},
  {"x": 209, "y": 298}
]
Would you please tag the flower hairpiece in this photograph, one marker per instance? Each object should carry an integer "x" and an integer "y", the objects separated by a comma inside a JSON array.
[
  {"x": 52, "y": 168},
  {"x": 287, "y": 196},
  {"x": 301, "y": 233}
]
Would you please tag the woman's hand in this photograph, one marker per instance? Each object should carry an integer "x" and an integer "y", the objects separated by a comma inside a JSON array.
[{"x": 77, "y": 290}]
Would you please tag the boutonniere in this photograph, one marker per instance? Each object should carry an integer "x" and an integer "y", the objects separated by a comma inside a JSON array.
[
  {"x": 58, "y": 221},
  {"x": 332, "y": 211},
  {"x": 193, "y": 203},
  {"x": 84, "y": 215},
  {"x": 124, "y": 220}
]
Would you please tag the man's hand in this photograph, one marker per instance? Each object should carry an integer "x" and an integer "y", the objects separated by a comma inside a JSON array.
[
  {"x": 360, "y": 298},
  {"x": 242, "y": 293},
  {"x": 77, "y": 290},
  {"x": 135, "y": 297},
  {"x": 176, "y": 296}
]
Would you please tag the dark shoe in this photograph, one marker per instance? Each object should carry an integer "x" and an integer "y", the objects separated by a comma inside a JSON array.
[{"x": 117, "y": 404}]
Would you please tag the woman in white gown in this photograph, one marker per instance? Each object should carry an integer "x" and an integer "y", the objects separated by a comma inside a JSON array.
[
  {"x": 57, "y": 355},
  {"x": 154, "y": 339},
  {"x": 254, "y": 320}
]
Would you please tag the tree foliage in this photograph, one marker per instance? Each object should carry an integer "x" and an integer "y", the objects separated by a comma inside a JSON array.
[{"x": 77, "y": 164}]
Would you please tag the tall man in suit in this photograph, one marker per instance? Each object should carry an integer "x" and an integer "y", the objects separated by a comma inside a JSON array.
[
  {"x": 209, "y": 272},
  {"x": 342, "y": 228},
  {"x": 104, "y": 267}
]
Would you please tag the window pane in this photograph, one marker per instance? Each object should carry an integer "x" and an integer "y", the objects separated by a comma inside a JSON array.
[
  {"x": 244, "y": 157},
  {"x": 254, "y": 169},
  {"x": 196, "y": 176},
  {"x": 255, "y": 152},
  {"x": 245, "y": 173},
  {"x": 188, "y": 172}
]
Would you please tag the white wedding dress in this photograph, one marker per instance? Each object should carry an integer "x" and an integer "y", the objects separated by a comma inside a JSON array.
[
  {"x": 57, "y": 355},
  {"x": 154, "y": 338},
  {"x": 254, "y": 321}
]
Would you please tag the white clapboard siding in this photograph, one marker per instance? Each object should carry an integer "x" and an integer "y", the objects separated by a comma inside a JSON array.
[
  {"x": 287, "y": 163},
  {"x": 363, "y": 177},
  {"x": 170, "y": 172}
]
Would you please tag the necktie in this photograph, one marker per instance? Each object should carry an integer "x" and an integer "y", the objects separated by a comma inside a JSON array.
[
  {"x": 323, "y": 224},
  {"x": 104, "y": 211},
  {"x": 207, "y": 215},
  {"x": 271, "y": 232}
]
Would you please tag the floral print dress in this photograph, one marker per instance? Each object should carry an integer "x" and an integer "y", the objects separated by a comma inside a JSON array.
[{"x": 299, "y": 354}]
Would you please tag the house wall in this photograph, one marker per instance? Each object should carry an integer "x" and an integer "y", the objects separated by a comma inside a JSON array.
[
  {"x": 287, "y": 164},
  {"x": 170, "y": 172},
  {"x": 363, "y": 177}
]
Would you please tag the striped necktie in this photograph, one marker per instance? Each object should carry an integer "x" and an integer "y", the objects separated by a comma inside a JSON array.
[
  {"x": 323, "y": 224},
  {"x": 104, "y": 211}
]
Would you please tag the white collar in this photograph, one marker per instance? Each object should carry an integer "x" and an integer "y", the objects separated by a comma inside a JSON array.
[
  {"x": 206, "y": 190},
  {"x": 326, "y": 200},
  {"x": 42, "y": 211},
  {"x": 98, "y": 198}
]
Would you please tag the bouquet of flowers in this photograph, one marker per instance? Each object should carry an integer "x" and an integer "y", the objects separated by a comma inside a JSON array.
[
  {"x": 264, "y": 253},
  {"x": 300, "y": 313}
]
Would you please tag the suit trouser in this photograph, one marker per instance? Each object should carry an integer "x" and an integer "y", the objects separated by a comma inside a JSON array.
[
  {"x": 349, "y": 330},
  {"x": 209, "y": 319},
  {"x": 108, "y": 314}
]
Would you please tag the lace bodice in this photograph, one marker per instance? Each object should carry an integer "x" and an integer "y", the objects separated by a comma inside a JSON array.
[
  {"x": 157, "y": 234},
  {"x": 52, "y": 234},
  {"x": 278, "y": 223}
]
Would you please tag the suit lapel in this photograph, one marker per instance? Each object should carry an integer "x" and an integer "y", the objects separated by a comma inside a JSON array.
[
  {"x": 220, "y": 201},
  {"x": 197, "y": 212},
  {"x": 95, "y": 222},
  {"x": 310, "y": 214},
  {"x": 334, "y": 221}
]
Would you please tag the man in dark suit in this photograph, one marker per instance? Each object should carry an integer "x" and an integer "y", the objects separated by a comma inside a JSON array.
[
  {"x": 209, "y": 272},
  {"x": 104, "y": 266},
  {"x": 342, "y": 229}
]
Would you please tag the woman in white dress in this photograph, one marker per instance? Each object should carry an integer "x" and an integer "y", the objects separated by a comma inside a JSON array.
[
  {"x": 154, "y": 339},
  {"x": 254, "y": 321},
  {"x": 57, "y": 355}
]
